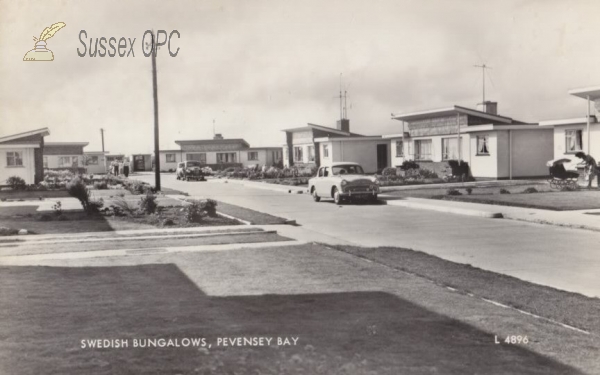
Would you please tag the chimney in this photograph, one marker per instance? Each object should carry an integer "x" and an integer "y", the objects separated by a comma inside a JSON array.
[
  {"x": 218, "y": 136},
  {"x": 490, "y": 107},
  {"x": 343, "y": 125}
]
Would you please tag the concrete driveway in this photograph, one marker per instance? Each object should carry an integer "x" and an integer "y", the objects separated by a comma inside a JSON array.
[{"x": 563, "y": 258}]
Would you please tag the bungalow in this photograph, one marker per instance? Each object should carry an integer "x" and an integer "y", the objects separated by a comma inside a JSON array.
[
  {"x": 494, "y": 146},
  {"x": 22, "y": 156},
  {"x": 301, "y": 147},
  {"x": 216, "y": 153},
  {"x": 64, "y": 155},
  {"x": 95, "y": 162},
  {"x": 262, "y": 156},
  {"x": 577, "y": 134}
]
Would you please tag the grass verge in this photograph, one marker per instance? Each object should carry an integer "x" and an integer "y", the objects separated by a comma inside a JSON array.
[
  {"x": 246, "y": 214},
  {"x": 564, "y": 307}
]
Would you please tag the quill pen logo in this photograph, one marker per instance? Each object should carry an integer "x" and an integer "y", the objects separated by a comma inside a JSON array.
[{"x": 40, "y": 52}]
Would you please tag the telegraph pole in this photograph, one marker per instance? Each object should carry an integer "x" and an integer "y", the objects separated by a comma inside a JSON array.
[{"x": 155, "y": 92}]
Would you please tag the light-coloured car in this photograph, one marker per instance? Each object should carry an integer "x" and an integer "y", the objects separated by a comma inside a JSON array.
[{"x": 343, "y": 181}]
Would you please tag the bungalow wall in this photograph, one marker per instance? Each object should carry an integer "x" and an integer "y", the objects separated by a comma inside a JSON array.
[
  {"x": 484, "y": 166},
  {"x": 363, "y": 152},
  {"x": 96, "y": 163},
  {"x": 26, "y": 171},
  {"x": 531, "y": 150},
  {"x": 560, "y": 141},
  {"x": 171, "y": 165}
]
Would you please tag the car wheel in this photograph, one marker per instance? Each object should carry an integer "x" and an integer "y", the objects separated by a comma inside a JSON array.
[
  {"x": 316, "y": 197},
  {"x": 373, "y": 198},
  {"x": 337, "y": 197}
]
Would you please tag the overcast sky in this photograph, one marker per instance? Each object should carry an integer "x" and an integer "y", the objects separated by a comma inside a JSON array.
[{"x": 257, "y": 67}]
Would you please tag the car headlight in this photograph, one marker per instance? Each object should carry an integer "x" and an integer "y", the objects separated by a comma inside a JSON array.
[
  {"x": 376, "y": 182},
  {"x": 344, "y": 182}
]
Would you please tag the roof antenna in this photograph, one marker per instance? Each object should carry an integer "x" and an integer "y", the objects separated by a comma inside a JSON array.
[
  {"x": 483, "y": 68},
  {"x": 341, "y": 99}
]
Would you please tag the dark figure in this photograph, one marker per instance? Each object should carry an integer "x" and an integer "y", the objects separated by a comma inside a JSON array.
[
  {"x": 591, "y": 168},
  {"x": 126, "y": 168},
  {"x": 115, "y": 168}
]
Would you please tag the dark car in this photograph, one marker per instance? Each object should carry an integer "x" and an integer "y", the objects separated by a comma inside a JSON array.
[{"x": 190, "y": 170}]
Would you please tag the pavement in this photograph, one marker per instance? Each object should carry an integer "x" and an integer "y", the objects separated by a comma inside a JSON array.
[{"x": 560, "y": 257}]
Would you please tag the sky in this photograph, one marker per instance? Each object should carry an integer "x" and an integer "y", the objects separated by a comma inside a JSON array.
[{"x": 257, "y": 67}]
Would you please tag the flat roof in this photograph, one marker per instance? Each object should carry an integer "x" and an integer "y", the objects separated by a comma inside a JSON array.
[
  {"x": 447, "y": 112},
  {"x": 212, "y": 141},
  {"x": 44, "y": 132},
  {"x": 593, "y": 92},
  {"x": 66, "y": 144},
  {"x": 567, "y": 121},
  {"x": 493, "y": 127},
  {"x": 320, "y": 127},
  {"x": 351, "y": 139},
  {"x": 95, "y": 152}
]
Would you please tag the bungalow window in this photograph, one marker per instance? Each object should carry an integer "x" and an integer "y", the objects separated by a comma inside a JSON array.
[
  {"x": 14, "y": 159},
  {"x": 325, "y": 151},
  {"x": 311, "y": 153},
  {"x": 483, "y": 145},
  {"x": 68, "y": 161},
  {"x": 226, "y": 157},
  {"x": 201, "y": 157},
  {"x": 171, "y": 158},
  {"x": 449, "y": 148},
  {"x": 399, "y": 148},
  {"x": 285, "y": 153},
  {"x": 574, "y": 140},
  {"x": 253, "y": 155},
  {"x": 423, "y": 149},
  {"x": 92, "y": 160},
  {"x": 298, "y": 154},
  {"x": 45, "y": 162}
]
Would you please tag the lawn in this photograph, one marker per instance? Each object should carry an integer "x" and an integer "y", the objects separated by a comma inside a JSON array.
[
  {"x": 246, "y": 214},
  {"x": 546, "y": 198},
  {"x": 556, "y": 201},
  {"x": 47, "y": 311},
  {"x": 569, "y": 308}
]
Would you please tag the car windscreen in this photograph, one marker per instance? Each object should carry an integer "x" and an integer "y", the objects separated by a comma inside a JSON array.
[
  {"x": 347, "y": 169},
  {"x": 193, "y": 164}
]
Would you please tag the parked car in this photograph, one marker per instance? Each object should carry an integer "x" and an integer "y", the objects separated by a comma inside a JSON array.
[
  {"x": 343, "y": 181},
  {"x": 190, "y": 170}
]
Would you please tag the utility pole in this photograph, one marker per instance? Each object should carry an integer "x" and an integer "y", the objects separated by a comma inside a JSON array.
[
  {"x": 102, "y": 135},
  {"x": 155, "y": 92},
  {"x": 483, "y": 68}
]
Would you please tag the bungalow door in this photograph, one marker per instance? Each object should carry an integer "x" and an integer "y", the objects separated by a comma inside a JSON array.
[{"x": 382, "y": 157}]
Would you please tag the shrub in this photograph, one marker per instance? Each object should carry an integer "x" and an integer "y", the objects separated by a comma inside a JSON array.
[
  {"x": 196, "y": 210},
  {"x": 101, "y": 185},
  {"x": 45, "y": 217},
  {"x": 388, "y": 171},
  {"x": 148, "y": 203},
  {"x": 409, "y": 164},
  {"x": 469, "y": 190},
  {"x": 16, "y": 183},
  {"x": 427, "y": 173},
  {"x": 78, "y": 189},
  {"x": 530, "y": 190},
  {"x": 121, "y": 207},
  {"x": 504, "y": 191},
  {"x": 453, "y": 192}
]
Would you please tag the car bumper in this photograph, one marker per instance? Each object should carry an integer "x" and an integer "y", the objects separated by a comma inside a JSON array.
[{"x": 359, "y": 193}]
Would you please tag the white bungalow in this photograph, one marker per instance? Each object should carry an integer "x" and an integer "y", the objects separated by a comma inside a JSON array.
[{"x": 21, "y": 155}]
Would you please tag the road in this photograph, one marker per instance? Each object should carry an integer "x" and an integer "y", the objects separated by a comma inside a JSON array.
[{"x": 562, "y": 258}]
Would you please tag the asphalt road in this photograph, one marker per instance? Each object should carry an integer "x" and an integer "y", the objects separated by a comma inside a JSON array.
[{"x": 563, "y": 258}]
